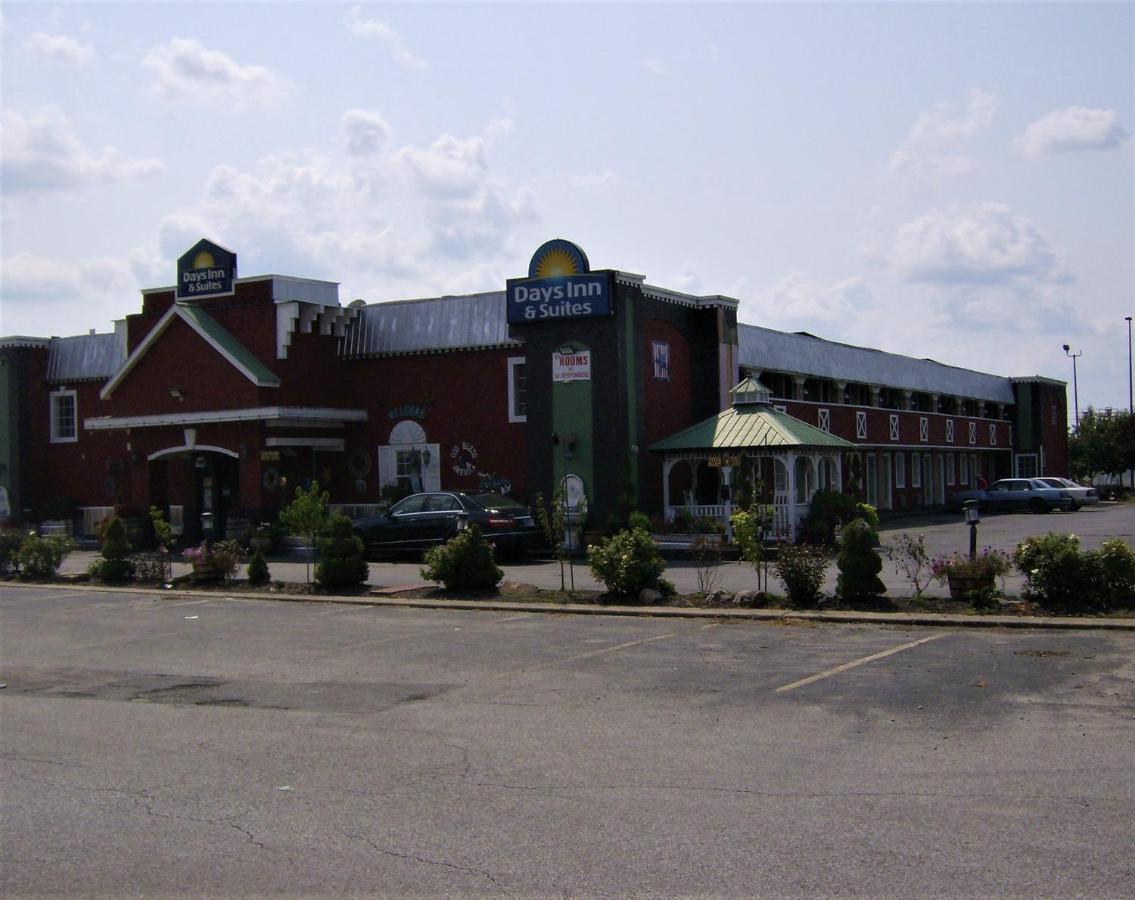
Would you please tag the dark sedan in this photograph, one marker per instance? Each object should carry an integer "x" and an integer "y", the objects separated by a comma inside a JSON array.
[
  {"x": 421, "y": 521},
  {"x": 1017, "y": 493}
]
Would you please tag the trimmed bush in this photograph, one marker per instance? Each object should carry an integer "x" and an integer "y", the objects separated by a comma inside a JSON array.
[
  {"x": 116, "y": 566},
  {"x": 802, "y": 570},
  {"x": 831, "y": 510},
  {"x": 859, "y": 565},
  {"x": 627, "y": 563},
  {"x": 464, "y": 563},
  {"x": 1061, "y": 577},
  {"x": 10, "y": 540},
  {"x": 41, "y": 557},
  {"x": 341, "y": 561},
  {"x": 258, "y": 573}
]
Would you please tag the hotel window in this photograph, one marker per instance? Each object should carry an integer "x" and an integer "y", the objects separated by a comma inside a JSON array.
[
  {"x": 900, "y": 470},
  {"x": 950, "y": 470},
  {"x": 660, "y": 355},
  {"x": 64, "y": 417},
  {"x": 825, "y": 419},
  {"x": 963, "y": 469},
  {"x": 894, "y": 427},
  {"x": 861, "y": 425},
  {"x": 517, "y": 389},
  {"x": 915, "y": 471}
]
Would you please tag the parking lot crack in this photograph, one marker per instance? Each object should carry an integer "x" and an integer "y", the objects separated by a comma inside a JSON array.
[{"x": 425, "y": 860}]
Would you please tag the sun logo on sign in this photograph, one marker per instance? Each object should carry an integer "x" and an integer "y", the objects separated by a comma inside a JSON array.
[
  {"x": 203, "y": 260},
  {"x": 557, "y": 259}
]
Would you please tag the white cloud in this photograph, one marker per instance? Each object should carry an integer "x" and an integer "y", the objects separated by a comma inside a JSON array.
[
  {"x": 927, "y": 152},
  {"x": 654, "y": 66},
  {"x": 594, "y": 179},
  {"x": 980, "y": 243},
  {"x": 1073, "y": 129},
  {"x": 185, "y": 69},
  {"x": 367, "y": 132},
  {"x": 374, "y": 28},
  {"x": 448, "y": 167},
  {"x": 80, "y": 293},
  {"x": 59, "y": 47},
  {"x": 41, "y": 153}
]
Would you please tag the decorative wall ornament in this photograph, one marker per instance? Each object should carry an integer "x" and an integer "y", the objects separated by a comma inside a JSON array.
[{"x": 464, "y": 457}]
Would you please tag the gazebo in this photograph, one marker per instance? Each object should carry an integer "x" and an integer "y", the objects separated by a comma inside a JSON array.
[{"x": 754, "y": 443}]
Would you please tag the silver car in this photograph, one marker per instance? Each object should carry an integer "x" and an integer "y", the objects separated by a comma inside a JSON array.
[{"x": 1081, "y": 496}]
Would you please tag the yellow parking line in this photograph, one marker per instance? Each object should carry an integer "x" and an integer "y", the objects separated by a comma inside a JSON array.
[{"x": 858, "y": 662}]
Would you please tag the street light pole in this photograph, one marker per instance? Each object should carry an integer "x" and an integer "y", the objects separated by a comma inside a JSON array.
[
  {"x": 1075, "y": 386},
  {"x": 1130, "y": 393}
]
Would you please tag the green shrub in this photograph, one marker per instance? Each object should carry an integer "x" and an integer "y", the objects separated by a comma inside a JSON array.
[
  {"x": 342, "y": 563},
  {"x": 627, "y": 563},
  {"x": 41, "y": 557},
  {"x": 802, "y": 570},
  {"x": 10, "y": 540},
  {"x": 116, "y": 565},
  {"x": 1116, "y": 561},
  {"x": 640, "y": 520},
  {"x": 465, "y": 562},
  {"x": 149, "y": 568},
  {"x": 1060, "y": 577},
  {"x": 258, "y": 569},
  {"x": 859, "y": 565},
  {"x": 831, "y": 510}
]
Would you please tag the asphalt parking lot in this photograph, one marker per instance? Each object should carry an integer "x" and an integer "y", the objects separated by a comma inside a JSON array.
[{"x": 160, "y": 744}]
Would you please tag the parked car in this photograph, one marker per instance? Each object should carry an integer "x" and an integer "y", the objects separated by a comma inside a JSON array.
[
  {"x": 1017, "y": 493},
  {"x": 420, "y": 521},
  {"x": 1081, "y": 495}
]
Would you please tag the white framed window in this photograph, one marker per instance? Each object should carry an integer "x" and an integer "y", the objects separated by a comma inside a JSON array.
[
  {"x": 963, "y": 469},
  {"x": 923, "y": 429},
  {"x": 780, "y": 407},
  {"x": 517, "y": 389},
  {"x": 824, "y": 419},
  {"x": 894, "y": 427},
  {"x": 1026, "y": 465},
  {"x": 951, "y": 473},
  {"x": 973, "y": 432},
  {"x": 915, "y": 471},
  {"x": 949, "y": 431},
  {"x": 992, "y": 435},
  {"x": 900, "y": 470},
  {"x": 861, "y": 425},
  {"x": 64, "y": 417}
]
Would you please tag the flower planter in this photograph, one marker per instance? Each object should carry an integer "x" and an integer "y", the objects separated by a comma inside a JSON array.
[
  {"x": 205, "y": 571},
  {"x": 962, "y": 587}
]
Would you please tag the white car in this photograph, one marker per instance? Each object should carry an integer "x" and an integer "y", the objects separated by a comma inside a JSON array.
[{"x": 1081, "y": 496}]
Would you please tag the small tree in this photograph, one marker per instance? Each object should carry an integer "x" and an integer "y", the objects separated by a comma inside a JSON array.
[
  {"x": 163, "y": 536},
  {"x": 802, "y": 568},
  {"x": 553, "y": 521},
  {"x": 341, "y": 560},
  {"x": 910, "y": 558},
  {"x": 627, "y": 563},
  {"x": 306, "y": 516},
  {"x": 859, "y": 565},
  {"x": 706, "y": 556},
  {"x": 750, "y": 531},
  {"x": 258, "y": 569},
  {"x": 116, "y": 566}
]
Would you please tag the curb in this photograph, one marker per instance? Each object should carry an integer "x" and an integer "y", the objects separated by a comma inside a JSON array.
[{"x": 661, "y": 612}]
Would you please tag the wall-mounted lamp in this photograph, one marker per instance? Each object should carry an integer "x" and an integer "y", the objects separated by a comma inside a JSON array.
[{"x": 176, "y": 394}]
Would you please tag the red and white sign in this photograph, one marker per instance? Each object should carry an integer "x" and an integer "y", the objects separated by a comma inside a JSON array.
[{"x": 571, "y": 366}]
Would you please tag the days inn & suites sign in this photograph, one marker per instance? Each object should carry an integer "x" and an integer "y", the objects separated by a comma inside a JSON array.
[
  {"x": 207, "y": 270},
  {"x": 560, "y": 285}
]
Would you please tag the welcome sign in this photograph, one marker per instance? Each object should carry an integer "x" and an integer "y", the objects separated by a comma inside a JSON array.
[
  {"x": 560, "y": 285},
  {"x": 207, "y": 270}
]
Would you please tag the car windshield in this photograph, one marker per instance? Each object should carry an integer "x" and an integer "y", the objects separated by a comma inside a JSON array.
[{"x": 1052, "y": 482}]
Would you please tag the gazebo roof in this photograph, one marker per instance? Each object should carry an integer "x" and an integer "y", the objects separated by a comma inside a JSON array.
[{"x": 751, "y": 426}]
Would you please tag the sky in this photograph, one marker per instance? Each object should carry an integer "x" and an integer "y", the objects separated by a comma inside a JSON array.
[{"x": 943, "y": 180}]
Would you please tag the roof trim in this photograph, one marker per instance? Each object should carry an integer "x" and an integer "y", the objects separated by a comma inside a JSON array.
[
  {"x": 733, "y": 429},
  {"x": 325, "y": 416},
  {"x": 212, "y": 332}
]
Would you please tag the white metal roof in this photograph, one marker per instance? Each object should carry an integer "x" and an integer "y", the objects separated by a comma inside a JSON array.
[{"x": 763, "y": 349}]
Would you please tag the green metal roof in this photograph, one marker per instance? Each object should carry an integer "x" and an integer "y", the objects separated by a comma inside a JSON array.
[
  {"x": 229, "y": 346},
  {"x": 751, "y": 426}
]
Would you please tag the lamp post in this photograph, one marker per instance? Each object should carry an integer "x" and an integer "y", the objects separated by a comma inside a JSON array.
[
  {"x": 1075, "y": 387},
  {"x": 1130, "y": 393},
  {"x": 973, "y": 516}
]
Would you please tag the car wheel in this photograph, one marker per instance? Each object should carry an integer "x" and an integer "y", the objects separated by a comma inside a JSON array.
[
  {"x": 1037, "y": 505},
  {"x": 1075, "y": 506}
]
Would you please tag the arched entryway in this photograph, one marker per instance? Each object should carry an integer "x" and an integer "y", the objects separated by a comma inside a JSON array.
[{"x": 197, "y": 488}]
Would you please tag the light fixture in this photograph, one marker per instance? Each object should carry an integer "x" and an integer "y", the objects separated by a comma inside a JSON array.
[
  {"x": 1075, "y": 387},
  {"x": 176, "y": 394}
]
